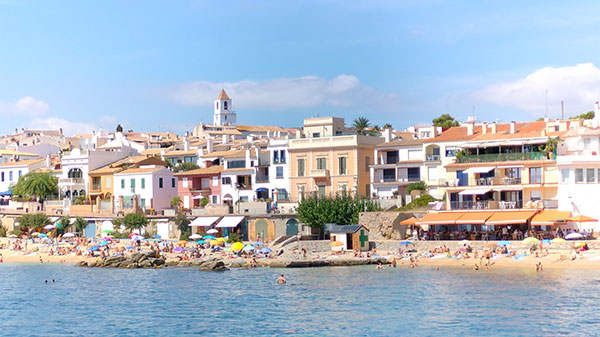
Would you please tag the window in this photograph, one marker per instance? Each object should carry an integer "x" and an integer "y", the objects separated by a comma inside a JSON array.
[
  {"x": 2, "y": 176},
  {"x": 565, "y": 175},
  {"x": 343, "y": 187},
  {"x": 143, "y": 203},
  {"x": 282, "y": 156},
  {"x": 122, "y": 183},
  {"x": 322, "y": 191},
  {"x": 276, "y": 157},
  {"x": 450, "y": 150},
  {"x": 590, "y": 175},
  {"x": 414, "y": 174},
  {"x": 172, "y": 182},
  {"x": 367, "y": 162},
  {"x": 279, "y": 172},
  {"x": 342, "y": 165},
  {"x": 322, "y": 163},
  {"x": 75, "y": 173},
  {"x": 226, "y": 181},
  {"x": 392, "y": 157},
  {"x": 20, "y": 173},
  {"x": 389, "y": 175},
  {"x": 143, "y": 183},
  {"x": 316, "y": 134},
  {"x": 10, "y": 176},
  {"x": 535, "y": 175},
  {"x": 587, "y": 143},
  {"x": 184, "y": 182},
  {"x": 301, "y": 168},
  {"x": 215, "y": 181},
  {"x": 579, "y": 175},
  {"x": 217, "y": 105},
  {"x": 215, "y": 198},
  {"x": 160, "y": 182},
  {"x": 108, "y": 182},
  {"x": 536, "y": 195},
  {"x": 132, "y": 185},
  {"x": 282, "y": 194},
  {"x": 513, "y": 172},
  {"x": 236, "y": 164}
]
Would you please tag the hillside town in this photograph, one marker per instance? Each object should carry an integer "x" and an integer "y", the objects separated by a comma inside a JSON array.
[{"x": 473, "y": 176}]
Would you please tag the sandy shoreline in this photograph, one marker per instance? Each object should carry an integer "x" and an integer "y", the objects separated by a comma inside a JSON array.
[{"x": 585, "y": 260}]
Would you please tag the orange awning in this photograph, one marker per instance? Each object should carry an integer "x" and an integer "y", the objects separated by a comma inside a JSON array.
[
  {"x": 473, "y": 218},
  {"x": 440, "y": 218},
  {"x": 550, "y": 217},
  {"x": 510, "y": 217},
  {"x": 409, "y": 221},
  {"x": 582, "y": 218}
]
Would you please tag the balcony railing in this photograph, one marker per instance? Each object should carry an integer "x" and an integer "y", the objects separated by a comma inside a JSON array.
[
  {"x": 486, "y": 204},
  {"x": 432, "y": 157},
  {"x": 96, "y": 187},
  {"x": 492, "y": 157},
  {"x": 511, "y": 181},
  {"x": 319, "y": 173},
  {"x": 71, "y": 181},
  {"x": 262, "y": 179}
]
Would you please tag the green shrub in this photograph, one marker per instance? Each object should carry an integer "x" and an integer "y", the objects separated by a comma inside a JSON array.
[
  {"x": 3, "y": 230},
  {"x": 421, "y": 202}
]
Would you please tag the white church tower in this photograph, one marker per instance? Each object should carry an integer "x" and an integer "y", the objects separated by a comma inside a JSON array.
[{"x": 224, "y": 114}]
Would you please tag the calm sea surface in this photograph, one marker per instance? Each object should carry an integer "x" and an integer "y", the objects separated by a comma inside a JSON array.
[{"x": 343, "y": 301}]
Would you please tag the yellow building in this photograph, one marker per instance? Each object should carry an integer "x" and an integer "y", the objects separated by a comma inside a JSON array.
[
  {"x": 327, "y": 165},
  {"x": 102, "y": 180}
]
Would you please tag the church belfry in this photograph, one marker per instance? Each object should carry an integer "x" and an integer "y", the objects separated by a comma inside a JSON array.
[{"x": 224, "y": 114}]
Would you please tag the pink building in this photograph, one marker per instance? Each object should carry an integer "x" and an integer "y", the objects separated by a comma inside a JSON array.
[{"x": 195, "y": 185}]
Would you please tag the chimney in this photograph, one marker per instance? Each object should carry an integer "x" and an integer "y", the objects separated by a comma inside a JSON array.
[
  {"x": 248, "y": 158},
  {"x": 268, "y": 133},
  {"x": 61, "y": 131},
  {"x": 484, "y": 128},
  {"x": 298, "y": 134},
  {"x": 387, "y": 134},
  {"x": 186, "y": 145},
  {"x": 512, "y": 126},
  {"x": 494, "y": 127},
  {"x": 162, "y": 155},
  {"x": 224, "y": 139},
  {"x": 200, "y": 151},
  {"x": 209, "y": 145},
  {"x": 250, "y": 139},
  {"x": 470, "y": 129}
]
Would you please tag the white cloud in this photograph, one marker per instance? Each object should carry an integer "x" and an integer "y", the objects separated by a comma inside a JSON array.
[
  {"x": 26, "y": 106},
  {"x": 54, "y": 123},
  {"x": 287, "y": 93},
  {"x": 578, "y": 86}
]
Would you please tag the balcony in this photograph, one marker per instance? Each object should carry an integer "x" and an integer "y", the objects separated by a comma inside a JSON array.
[
  {"x": 96, "y": 188},
  {"x": 494, "y": 157},
  {"x": 70, "y": 181},
  {"x": 264, "y": 179},
  {"x": 511, "y": 181},
  {"x": 319, "y": 173},
  {"x": 486, "y": 204},
  {"x": 432, "y": 157}
]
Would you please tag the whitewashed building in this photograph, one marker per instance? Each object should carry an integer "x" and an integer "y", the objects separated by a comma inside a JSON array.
[
  {"x": 146, "y": 187},
  {"x": 10, "y": 172}
]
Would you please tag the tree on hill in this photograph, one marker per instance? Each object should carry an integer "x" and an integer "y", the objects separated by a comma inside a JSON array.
[
  {"x": 38, "y": 185},
  {"x": 119, "y": 128},
  {"x": 187, "y": 166},
  {"x": 361, "y": 126},
  {"x": 445, "y": 121},
  {"x": 587, "y": 115}
]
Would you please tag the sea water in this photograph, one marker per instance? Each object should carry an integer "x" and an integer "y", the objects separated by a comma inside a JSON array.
[{"x": 340, "y": 301}]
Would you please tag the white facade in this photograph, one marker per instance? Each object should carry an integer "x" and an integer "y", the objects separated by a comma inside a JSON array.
[
  {"x": 223, "y": 111},
  {"x": 579, "y": 175},
  {"x": 395, "y": 167},
  {"x": 76, "y": 165},
  {"x": 238, "y": 178},
  {"x": 10, "y": 172},
  {"x": 154, "y": 187}
]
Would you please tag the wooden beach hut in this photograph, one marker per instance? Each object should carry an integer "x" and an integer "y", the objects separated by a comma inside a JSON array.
[{"x": 351, "y": 236}]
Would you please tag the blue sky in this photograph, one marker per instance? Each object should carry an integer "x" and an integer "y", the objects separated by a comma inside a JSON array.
[{"x": 157, "y": 65}]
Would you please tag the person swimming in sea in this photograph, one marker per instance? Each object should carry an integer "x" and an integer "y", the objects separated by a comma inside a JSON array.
[
  {"x": 281, "y": 279},
  {"x": 379, "y": 266},
  {"x": 476, "y": 267}
]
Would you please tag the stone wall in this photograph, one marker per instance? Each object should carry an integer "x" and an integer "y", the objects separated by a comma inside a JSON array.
[
  {"x": 310, "y": 245},
  {"x": 384, "y": 225}
]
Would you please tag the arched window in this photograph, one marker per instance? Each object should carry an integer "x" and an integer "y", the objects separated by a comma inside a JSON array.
[
  {"x": 225, "y": 105},
  {"x": 75, "y": 173},
  {"x": 217, "y": 105},
  {"x": 82, "y": 193},
  {"x": 75, "y": 193},
  {"x": 67, "y": 194}
]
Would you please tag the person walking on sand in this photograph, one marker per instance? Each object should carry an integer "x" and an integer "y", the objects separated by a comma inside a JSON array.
[{"x": 281, "y": 279}]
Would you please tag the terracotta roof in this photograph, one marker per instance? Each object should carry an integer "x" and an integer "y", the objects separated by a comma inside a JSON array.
[
  {"x": 16, "y": 153},
  {"x": 151, "y": 152},
  {"x": 263, "y": 128},
  {"x": 522, "y": 130},
  {"x": 201, "y": 171},
  {"x": 401, "y": 142},
  {"x": 223, "y": 132},
  {"x": 180, "y": 153},
  {"x": 141, "y": 170},
  {"x": 230, "y": 154},
  {"x": 238, "y": 169},
  {"x": 118, "y": 165},
  {"x": 22, "y": 162},
  {"x": 223, "y": 95}
]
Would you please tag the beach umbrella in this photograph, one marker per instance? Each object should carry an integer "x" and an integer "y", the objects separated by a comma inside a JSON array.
[
  {"x": 200, "y": 241},
  {"x": 107, "y": 231},
  {"x": 35, "y": 234},
  {"x": 156, "y": 236},
  {"x": 235, "y": 245},
  {"x": 49, "y": 227},
  {"x": 267, "y": 250},
  {"x": 258, "y": 243},
  {"x": 579, "y": 244},
  {"x": 406, "y": 242},
  {"x": 42, "y": 236},
  {"x": 93, "y": 248},
  {"x": 103, "y": 243},
  {"x": 195, "y": 236},
  {"x": 336, "y": 244},
  {"x": 178, "y": 249},
  {"x": 248, "y": 248},
  {"x": 182, "y": 243},
  {"x": 129, "y": 247},
  {"x": 157, "y": 240},
  {"x": 68, "y": 235},
  {"x": 212, "y": 231},
  {"x": 13, "y": 236},
  {"x": 222, "y": 239},
  {"x": 530, "y": 240},
  {"x": 573, "y": 236},
  {"x": 503, "y": 243},
  {"x": 558, "y": 240},
  {"x": 209, "y": 237},
  {"x": 133, "y": 234}
]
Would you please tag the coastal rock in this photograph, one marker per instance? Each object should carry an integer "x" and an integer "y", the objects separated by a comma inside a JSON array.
[
  {"x": 213, "y": 266},
  {"x": 172, "y": 263},
  {"x": 112, "y": 261},
  {"x": 145, "y": 264},
  {"x": 82, "y": 264}
]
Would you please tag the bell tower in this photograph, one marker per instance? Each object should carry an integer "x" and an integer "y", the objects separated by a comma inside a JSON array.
[{"x": 224, "y": 114}]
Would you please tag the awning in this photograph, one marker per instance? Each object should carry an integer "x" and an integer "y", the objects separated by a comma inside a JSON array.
[
  {"x": 230, "y": 221},
  {"x": 473, "y": 218},
  {"x": 441, "y": 218},
  {"x": 549, "y": 217},
  {"x": 196, "y": 197},
  {"x": 582, "y": 218},
  {"x": 510, "y": 217},
  {"x": 409, "y": 221},
  {"x": 204, "y": 221},
  {"x": 511, "y": 166},
  {"x": 481, "y": 169},
  {"x": 476, "y": 191}
]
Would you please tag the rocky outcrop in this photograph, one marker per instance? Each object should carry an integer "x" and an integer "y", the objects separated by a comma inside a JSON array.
[
  {"x": 213, "y": 266},
  {"x": 384, "y": 225},
  {"x": 136, "y": 260}
]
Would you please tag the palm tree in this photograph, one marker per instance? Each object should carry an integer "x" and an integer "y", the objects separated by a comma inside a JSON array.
[
  {"x": 80, "y": 225},
  {"x": 387, "y": 126},
  {"x": 360, "y": 125}
]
